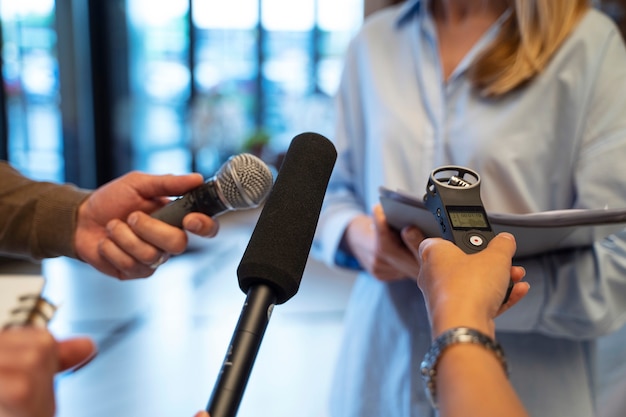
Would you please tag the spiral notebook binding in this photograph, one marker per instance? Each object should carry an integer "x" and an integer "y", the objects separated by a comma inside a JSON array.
[{"x": 31, "y": 310}]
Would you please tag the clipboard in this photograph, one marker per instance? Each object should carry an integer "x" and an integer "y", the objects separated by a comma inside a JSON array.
[
  {"x": 535, "y": 233},
  {"x": 21, "y": 302}
]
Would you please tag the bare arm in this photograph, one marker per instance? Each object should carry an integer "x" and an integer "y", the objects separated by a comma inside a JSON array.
[{"x": 467, "y": 291}]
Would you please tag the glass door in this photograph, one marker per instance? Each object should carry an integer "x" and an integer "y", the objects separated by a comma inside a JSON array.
[
  {"x": 165, "y": 86},
  {"x": 159, "y": 84},
  {"x": 226, "y": 80},
  {"x": 31, "y": 87},
  {"x": 212, "y": 78}
]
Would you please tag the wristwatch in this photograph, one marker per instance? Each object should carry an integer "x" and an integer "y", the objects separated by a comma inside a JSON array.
[{"x": 428, "y": 367}]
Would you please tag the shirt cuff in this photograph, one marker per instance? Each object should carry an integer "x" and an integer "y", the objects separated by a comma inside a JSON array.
[
  {"x": 55, "y": 221},
  {"x": 330, "y": 233}
]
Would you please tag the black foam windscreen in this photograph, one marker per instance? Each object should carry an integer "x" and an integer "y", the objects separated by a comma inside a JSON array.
[{"x": 281, "y": 241}]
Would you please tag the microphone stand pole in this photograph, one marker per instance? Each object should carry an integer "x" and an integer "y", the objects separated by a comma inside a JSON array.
[{"x": 244, "y": 346}]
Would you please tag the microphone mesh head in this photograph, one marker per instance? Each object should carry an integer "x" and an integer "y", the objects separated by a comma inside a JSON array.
[{"x": 245, "y": 181}]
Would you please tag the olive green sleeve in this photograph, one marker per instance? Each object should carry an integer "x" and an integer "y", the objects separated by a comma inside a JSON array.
[{"x": 37, "y": 219}]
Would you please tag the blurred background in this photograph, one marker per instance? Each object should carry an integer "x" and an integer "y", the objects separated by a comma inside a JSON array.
[
  {"x": 93, "y": 89},
  {"x": 96, "y": 88}
]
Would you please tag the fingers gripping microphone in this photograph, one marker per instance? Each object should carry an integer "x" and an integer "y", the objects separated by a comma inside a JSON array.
[
  {"x": 271, "y": 268},
  {"x": 242, "y": 182}
]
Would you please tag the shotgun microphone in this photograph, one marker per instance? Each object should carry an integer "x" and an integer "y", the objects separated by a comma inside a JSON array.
[{"x": 272, "y": 265}]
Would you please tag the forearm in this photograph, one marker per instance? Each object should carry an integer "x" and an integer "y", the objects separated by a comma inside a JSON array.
[
  {"x": 37, "y": 219},
  {"x": 488, "y": 393}
]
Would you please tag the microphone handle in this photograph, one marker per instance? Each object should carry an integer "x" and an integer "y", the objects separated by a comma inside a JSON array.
[
  {"x": 203, "y": 199},
  {"x": 244, "y": 346}
]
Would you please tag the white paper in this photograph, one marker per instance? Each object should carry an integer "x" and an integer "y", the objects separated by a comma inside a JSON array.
[{"x": 12, "y": 287}]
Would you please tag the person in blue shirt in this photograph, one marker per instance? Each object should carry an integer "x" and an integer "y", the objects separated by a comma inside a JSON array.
[{"x": 531, "y": 94}]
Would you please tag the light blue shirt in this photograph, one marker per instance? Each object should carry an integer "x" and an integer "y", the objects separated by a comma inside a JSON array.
[{"x": 557, "y": 143}]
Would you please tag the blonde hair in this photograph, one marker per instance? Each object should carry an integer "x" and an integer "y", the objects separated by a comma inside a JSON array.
[{"x": 528, "y": 39}]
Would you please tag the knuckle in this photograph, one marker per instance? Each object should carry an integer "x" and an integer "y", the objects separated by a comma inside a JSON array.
[
  {"x": 179, "y": 247},
  {"x": 20, "y": 390},
  {"x": 177, "y": 244},
  {"x": 425, "y": 251},
  {"x": 114, "y": 227},
  {"x": 133, "y": 175},
  {"x": 127, "y": 265},
  {"x": 34, "y": 358},
  {"x": 148, "y": 257}
]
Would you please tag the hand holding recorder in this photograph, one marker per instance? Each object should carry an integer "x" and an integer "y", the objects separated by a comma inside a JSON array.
[{"x": 453, "y": 196}]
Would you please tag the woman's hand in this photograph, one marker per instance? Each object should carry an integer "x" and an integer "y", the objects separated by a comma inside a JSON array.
[{"x": 379, "y": 249}]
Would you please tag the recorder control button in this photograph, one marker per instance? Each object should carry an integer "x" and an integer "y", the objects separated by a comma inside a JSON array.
[{"x": 476, "y": 241}]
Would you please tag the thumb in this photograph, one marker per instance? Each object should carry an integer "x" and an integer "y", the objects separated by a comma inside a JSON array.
[
  {"x": 75, "y": 353},
  {"x": 412, "y": 237},
  {"x": 201, "y": 414},
  {"x": 503, "y": 244}
]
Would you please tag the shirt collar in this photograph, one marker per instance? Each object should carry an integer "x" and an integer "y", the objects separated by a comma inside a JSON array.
[{"x": 410, "y": 9}]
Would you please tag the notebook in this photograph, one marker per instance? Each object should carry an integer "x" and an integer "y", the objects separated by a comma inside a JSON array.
[
  {"x": 21, "y": 302},
  {"x": 535, "y": 233}
]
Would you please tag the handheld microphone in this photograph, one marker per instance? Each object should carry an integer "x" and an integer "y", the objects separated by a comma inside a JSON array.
[
  {"x": 272, "y": 265},
  {"x": 242, "y": 182}
]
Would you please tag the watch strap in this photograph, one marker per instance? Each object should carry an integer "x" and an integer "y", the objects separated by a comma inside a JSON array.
[{"x": 428, "y": 367}]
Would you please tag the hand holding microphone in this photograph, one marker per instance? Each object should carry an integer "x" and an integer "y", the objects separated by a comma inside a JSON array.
[
  {"x": 243, "y": 182},
  {"x": 116, "y": 236}
]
